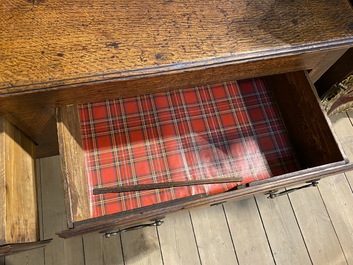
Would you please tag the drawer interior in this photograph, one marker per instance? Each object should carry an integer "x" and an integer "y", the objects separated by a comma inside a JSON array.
[{"x": 258, "y": 129}]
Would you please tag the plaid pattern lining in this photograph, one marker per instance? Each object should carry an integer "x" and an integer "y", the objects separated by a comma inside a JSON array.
[{"x": 220, "y": 130}]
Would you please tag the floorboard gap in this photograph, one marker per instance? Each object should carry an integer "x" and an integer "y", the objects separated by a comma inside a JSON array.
[
  {"x": 300, "y": 229},
  {"x": 263, "y": 225},
  {"x": 193, "y": 231},
  {"x": 230, "y": 233}
]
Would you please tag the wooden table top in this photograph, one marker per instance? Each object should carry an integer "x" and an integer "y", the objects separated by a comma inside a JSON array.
[
  {"x": 56, "y": 53},
  {"x": 51, "y": 43}
]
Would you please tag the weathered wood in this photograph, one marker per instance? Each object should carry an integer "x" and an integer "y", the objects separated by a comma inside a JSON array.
[
  {"x": 31, "y": 257},
  {"x": 316, "y": 227},
  {"x": 282, "y": 230},
  {"x": 112, "y": 251},
  {"x": 177, "y": 240},
  {"x": 141, "y": 247},
  {"x": 163, "y": 185},
  {"x": 73, "y": 165},
  {"x": 3, "y": 212},
  {"x": 19, "y": 215},
  {"x": 212, "y": 236},
  {"x": 340, "y": 210},
  {"x": 59, "y": 251},
  {"x": 16, "y": 248},
  {"x": 340, "y": 206},
  {"x": 345, "y": 132},
  {"x": 101, "y": 250},
  {"x": 244, "y": 222}
]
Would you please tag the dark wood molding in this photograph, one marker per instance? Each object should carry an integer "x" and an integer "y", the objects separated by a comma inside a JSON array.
[
  {"x": 10, "y": 249},
  {"x": 337, "y": 72}
]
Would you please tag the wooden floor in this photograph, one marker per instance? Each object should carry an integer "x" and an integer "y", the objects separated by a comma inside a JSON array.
[{"x": 311, "y": 226}]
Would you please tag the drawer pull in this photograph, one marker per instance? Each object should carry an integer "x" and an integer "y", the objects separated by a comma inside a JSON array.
[
  {"x": 273, "y": 194},
  {"x": 131, "y": 228}
]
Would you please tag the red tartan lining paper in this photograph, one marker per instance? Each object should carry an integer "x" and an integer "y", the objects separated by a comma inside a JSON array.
[{"x": 221, "y": 130}]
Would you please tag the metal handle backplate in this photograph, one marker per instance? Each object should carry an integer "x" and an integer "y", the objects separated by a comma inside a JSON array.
[
  {"x": 131, "y": 228},
  {"x": 274, "y": 194}
]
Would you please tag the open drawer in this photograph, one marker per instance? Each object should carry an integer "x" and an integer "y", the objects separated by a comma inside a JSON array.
[{"x": 269, "y": 131}]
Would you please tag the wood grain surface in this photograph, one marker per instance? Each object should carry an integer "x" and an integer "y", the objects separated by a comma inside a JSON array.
[
  {"x": 58, "y": 252},
  {"x": 244, "y": 221},
  {"x": 316, "y": 227},
  {"x": 19, "y": 218},
  {"x": 282, "y": 230},
  {"x": 141, "y": 247},
  {"x": 99, "y": 249},
  {"x": 53, "y": 43},
  {"x": 73, "y": 165},
  {"x": 2, "y": 184},
  {"x": 212, "y": 236},
  {"x": 340, "y": 206},
  {"x": 177, "y": 240}
]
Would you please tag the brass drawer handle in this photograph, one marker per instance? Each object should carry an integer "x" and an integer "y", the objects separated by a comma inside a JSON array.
[
  {"x": 273, "y": 194},
  {"x": 131, "y": 228}
]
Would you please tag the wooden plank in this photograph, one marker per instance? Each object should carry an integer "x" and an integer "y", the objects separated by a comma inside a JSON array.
[
  {"x": 101, "y": 250},
  {"x": 39, "y": 200},
  {"x": 141, "y": 247},
  {"x": 316, "y": 227},
  {"x": 177, "y": 240},
  {"x": 112, "y": 251},
  {"x": 212, "y": 236},
  {"x": 338, "y": 198},
  {"x": 59, "y": 251},
  {"x": 15, "y": 248},
  {"x": 336, "y": 191},
  {"x": 73, "y": 165},
  {"x": 2, "y": 185},
  {"x": 248, "y": 233},
  {"x": 33, "y": 257},
  {"x": 342, "y": 126},
  {"x": 282, "y": 230},
  {"x": 20, "y": 223}
]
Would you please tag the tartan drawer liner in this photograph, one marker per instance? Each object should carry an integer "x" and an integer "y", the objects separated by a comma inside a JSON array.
[{"x": 220, "y": 130}]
